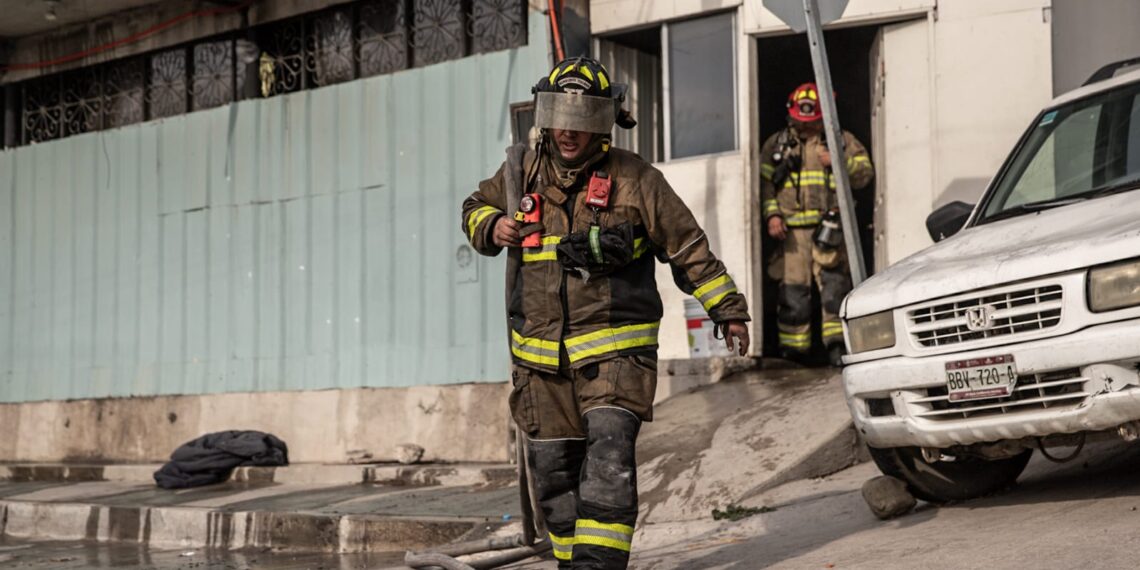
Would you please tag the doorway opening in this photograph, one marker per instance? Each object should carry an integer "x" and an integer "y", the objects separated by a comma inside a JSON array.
[{"x": 783, "y": 63}]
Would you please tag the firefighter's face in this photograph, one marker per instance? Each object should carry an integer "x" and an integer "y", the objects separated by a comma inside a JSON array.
[
  {"x": 808, "y": 128},
  {"x": 571, "y": 144}
]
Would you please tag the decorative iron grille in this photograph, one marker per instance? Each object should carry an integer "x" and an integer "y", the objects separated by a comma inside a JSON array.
[
  {"x": 438, "y": 32},
  {"x": 330, "y": 55},
  {"x": 342, "y": 43},
  {"x": 214, "y": 82},
  {"x": 383, "y": 37},
  {"x": 497, "y": 24},
  {"x": 43, "y": 111},
  {"x": 166, "y": 89},
  {"x": 82, "y": 102},
  {"x": 282, "y": 63},
  {"x": 124, "y": 87}
]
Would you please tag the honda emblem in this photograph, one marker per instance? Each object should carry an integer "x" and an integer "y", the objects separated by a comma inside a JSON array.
[{"x": 979, "y": 318}]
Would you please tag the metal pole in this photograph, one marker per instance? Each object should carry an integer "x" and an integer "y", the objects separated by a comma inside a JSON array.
[{"x": 835, "y": 136}]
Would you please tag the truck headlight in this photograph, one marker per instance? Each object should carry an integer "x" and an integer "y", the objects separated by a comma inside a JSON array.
[
  {"x": 872, "y": 332},
  {"x": 1114, "y": 286}
]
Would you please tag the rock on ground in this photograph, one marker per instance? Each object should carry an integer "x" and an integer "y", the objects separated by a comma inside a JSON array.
[
  {"x": 888, "y": 497},
  {"x": 409, "y": 453}
]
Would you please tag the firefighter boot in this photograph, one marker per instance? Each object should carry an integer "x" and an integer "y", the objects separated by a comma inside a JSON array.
[
  {"x": 607, "y": 505},
  {"x": 556, "y": 465}
]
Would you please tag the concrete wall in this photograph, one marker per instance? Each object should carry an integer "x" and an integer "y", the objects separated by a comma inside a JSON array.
[
  {"x": 1088, "y": 35},
  {"x": 956, "y": 90},
  {"x": 957, "y": 83},
  {"x": 715, "y": 186},
  {"x": 714, "y": 190},
  {"x": 452, "y": 423},
  {"x": 759, "y": 19},
  {"x": 305, "y": 241},
  {"x": 609, "y": 15}
]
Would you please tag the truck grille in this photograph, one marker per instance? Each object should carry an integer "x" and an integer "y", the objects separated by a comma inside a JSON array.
[
  {"x": 1009, "y": 313},
  {"x": 1052, "y": 390}
]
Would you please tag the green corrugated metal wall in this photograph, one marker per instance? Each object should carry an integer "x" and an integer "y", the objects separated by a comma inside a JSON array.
[{"x": 300, "y": 242}]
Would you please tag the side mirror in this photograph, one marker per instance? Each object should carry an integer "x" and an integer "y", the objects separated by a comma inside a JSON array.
[{"x": 948, "y": 220}]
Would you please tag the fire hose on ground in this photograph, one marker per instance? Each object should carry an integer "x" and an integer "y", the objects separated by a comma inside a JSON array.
[{"x": 514, "y": 550}]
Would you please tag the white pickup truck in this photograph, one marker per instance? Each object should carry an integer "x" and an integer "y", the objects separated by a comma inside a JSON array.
[{"x": 1021, "y": 330}]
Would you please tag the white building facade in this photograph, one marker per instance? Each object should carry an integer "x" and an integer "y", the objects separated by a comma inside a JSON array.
[{"x": 939, "y": 90}]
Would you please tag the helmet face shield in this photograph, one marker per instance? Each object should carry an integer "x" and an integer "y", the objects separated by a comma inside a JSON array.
[{"x": 574, "y": 112}]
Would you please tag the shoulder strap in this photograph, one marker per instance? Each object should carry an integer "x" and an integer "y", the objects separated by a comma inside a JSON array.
[{"x": 514, "y": 176}]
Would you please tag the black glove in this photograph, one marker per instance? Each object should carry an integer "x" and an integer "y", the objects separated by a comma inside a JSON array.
[{"x": 610, "y": 249}]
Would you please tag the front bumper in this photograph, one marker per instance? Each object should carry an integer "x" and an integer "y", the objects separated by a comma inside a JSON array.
[{"x": 1099, "y": 364}]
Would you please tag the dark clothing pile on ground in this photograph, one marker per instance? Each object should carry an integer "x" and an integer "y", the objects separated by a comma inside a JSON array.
[{"x": 211, "y": 458}]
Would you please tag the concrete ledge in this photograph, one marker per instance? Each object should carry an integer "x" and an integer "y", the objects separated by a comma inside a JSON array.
[
  {"x": 178, "y": 527},
  {"x": 454, "y": 424},
  {"x": 420, "y": 475}
]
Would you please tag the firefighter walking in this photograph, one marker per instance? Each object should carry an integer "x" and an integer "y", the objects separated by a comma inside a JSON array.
[
  {"x": 584, "y": 310},
  {"x": 802, "y": 212}
]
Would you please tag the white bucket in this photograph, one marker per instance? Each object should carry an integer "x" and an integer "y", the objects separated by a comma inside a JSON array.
[{"x": 702, "y": 342}]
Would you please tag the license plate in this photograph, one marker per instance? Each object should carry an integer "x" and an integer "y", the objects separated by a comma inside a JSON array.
[{"x": 979, "y": 378}]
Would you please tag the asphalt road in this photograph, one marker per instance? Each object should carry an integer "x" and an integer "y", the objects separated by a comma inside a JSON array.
[{"x": 1080, "y": 515}]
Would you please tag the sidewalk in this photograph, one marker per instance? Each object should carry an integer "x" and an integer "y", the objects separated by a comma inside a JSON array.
[
  {"x": 728, "y": 443},
  {"x": 302, "y": 508}
]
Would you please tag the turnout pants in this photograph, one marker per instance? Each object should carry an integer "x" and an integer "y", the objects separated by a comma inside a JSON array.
[
  {"x": 581, "y": 429},
  {"x": 798, "y": 262}
]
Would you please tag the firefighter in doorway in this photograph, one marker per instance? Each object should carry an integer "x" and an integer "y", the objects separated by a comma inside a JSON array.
[
  {"x": 583, "y": 306},
  {"x": 801, "y": 211}
]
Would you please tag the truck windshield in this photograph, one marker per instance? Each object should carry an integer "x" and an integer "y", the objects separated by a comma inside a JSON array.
[{"x": 1086, "y": 149}]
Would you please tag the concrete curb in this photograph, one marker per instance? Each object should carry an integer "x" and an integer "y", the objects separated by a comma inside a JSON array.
[
  {"x": 188, "y": 527},
  {"x": 426, "y": 475}
]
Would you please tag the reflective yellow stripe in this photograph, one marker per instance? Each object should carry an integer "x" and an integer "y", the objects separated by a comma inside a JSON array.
[
  {"x": 813, "y": 177},
  {"x": 858, "y": 160},
  {"x": 616, "y": 536},
  {"x": 477, "y": 218},
  {"x": 605, "y": 541},
  {"x": 771, "y": 207},
  {"x": 714, "y": 291},
  {"x": 534, "y": 350},
  {"x": 602, "y": 81},
  {"x": 563, "y": 546},
  {"x": 832, "y": 328},
  {"x": 767, "y": 170},
  {"x": 795, "y": 340},
  {"x": 548, "y": 251},
  {"x": 586, "y": 71},
  {"x": 640, "y": 246},
  {"x": 804, "y": 218},
  {"x": 611, "y": 340}
]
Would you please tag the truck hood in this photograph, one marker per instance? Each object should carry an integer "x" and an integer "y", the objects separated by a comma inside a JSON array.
[{"x": 1062, "y": 239}]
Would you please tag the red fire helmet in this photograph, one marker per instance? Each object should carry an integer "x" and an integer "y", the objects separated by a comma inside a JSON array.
[{"x": 803, "y": 103}]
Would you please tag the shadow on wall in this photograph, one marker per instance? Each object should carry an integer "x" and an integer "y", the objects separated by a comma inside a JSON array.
[{"x": 968, "y": 190}]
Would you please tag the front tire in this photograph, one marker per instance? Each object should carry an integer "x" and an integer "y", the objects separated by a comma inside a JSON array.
[{"x": 943, "y": 481}]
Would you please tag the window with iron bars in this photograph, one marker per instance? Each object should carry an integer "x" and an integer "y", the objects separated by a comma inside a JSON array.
[{"x": 342, "y": 43}]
